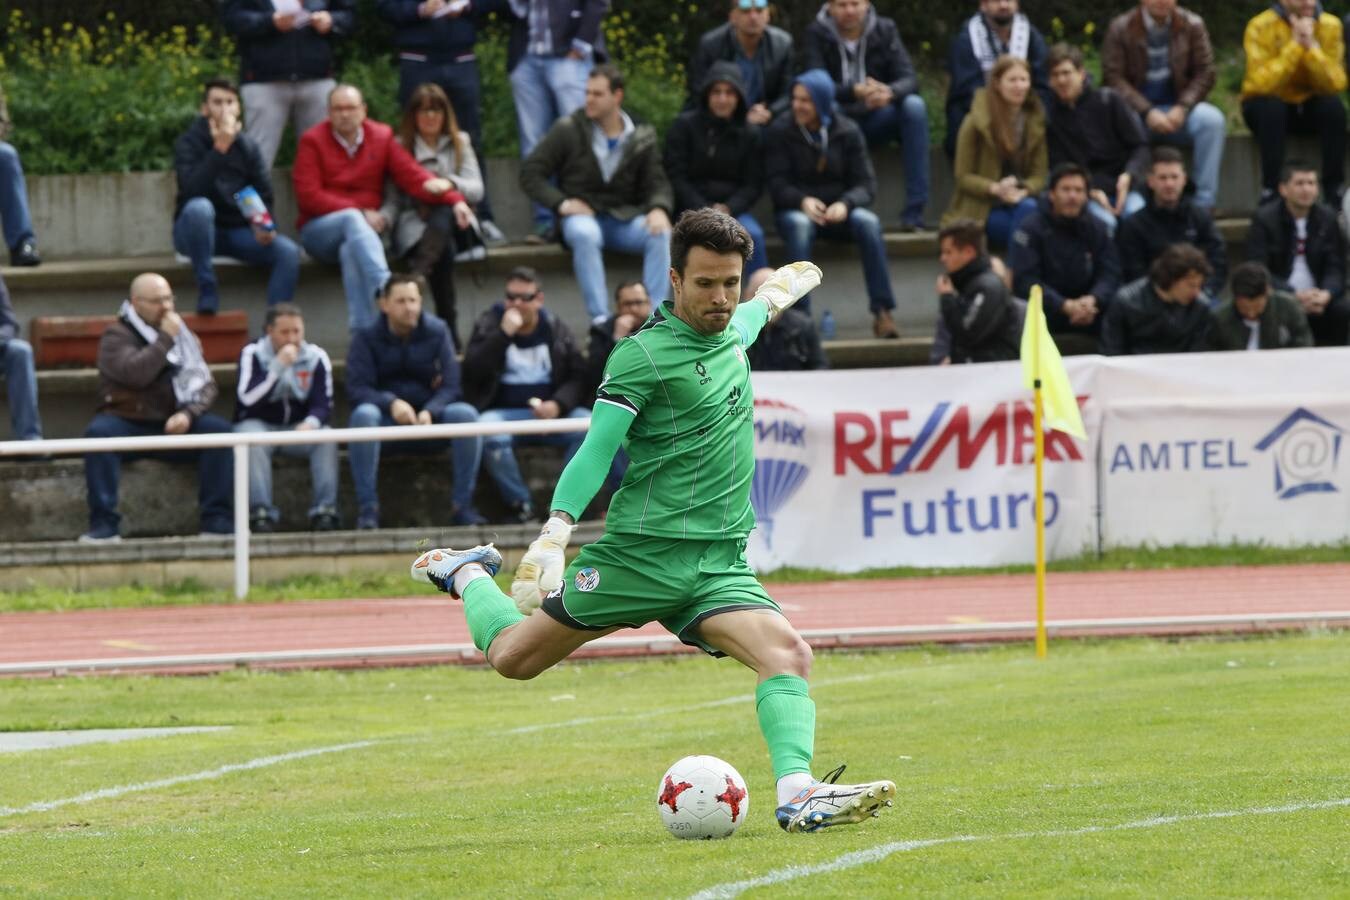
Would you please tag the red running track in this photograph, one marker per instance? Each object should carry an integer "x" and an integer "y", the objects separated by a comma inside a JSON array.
[{"x": 431, "y": 629}]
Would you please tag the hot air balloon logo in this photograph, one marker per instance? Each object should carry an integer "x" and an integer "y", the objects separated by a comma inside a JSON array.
[{"x": 780, "y": 460}]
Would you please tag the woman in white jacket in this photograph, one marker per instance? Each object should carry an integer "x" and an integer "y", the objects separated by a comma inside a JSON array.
[{"x": 423, "y": 236}]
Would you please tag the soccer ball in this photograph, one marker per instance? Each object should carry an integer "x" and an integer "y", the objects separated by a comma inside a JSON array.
[{"x": 702, "y": 797}]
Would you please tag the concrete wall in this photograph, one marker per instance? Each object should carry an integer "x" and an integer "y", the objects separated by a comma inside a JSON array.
[{"x": 132, "y": 214}]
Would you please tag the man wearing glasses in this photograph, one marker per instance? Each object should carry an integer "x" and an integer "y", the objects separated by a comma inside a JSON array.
[
  {"x": 763, "y": 53},
  {"x": 522, "y": 363}
]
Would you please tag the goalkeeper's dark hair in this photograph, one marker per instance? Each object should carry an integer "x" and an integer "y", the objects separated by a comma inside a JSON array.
[{"x": 711, "y": 230}]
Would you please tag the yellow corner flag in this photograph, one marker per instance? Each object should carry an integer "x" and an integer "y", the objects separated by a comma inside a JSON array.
[
  {"x": 1041, "y": 360},
  {"x": 1055, "y": 406}
]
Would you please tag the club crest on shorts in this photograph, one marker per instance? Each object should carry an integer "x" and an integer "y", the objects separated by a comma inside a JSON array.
[{"x": 587, "y": 579}]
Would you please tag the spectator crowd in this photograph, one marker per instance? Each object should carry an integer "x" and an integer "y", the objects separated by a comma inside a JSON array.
[{"x": 1078, "y": 187}]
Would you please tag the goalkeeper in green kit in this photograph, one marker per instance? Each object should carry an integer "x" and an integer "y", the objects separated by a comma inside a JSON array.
[{"x": 676, "y": 395}]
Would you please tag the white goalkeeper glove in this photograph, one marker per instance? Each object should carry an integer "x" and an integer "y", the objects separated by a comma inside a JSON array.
[
  {"x": 541, "y": 568},
  {"x": 787, "y": 285}
]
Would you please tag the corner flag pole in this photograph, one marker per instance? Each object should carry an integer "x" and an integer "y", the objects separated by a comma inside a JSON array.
[{"x": 1037, "y": 417}]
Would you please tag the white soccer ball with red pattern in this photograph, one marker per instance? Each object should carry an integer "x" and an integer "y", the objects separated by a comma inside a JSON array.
[{"x": 702, "y": 797}]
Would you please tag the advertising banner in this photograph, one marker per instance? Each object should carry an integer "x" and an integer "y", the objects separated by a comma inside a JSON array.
[
  {"x": 1216, "y": 472},
  {"x": 869, "y": 468}
]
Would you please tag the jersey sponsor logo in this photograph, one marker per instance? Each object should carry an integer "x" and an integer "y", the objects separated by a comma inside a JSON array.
[
  {"x": 587, "y": 580},
  {"x": 702, "y": 372}
]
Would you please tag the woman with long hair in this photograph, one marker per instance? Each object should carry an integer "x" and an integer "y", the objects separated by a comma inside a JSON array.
[
  {"x": 1001, "y": 156},
  {"x": 423, "y": 236}
]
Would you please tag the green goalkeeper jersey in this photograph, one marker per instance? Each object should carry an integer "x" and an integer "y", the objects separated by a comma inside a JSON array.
[{"x": 691, "y": 441}]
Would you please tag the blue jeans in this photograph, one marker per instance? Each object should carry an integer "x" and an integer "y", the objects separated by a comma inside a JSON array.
[
  {"x": 196, "y": 236},
  {"x": 759, "y": 258},
  {"x": 323, "y": 469},
  {"x": 500, "y": 460},
  {"x": 102, "y": 471},
  {"x": 862, "y": 228},
  {"x": 1134, "y": 201},
  {"x": 365, "y": 456},
  {"x": 588, "y": 235},
  {"x": 344, "y": 237},
  {"x": 1003, "y": 220},
  {"x": 545, "y": 89},
  {"x": 16, "y": 363},
  {"x": 461, "y": 83},
  {"x": 1204, "y": 130},
  {"x": 906, "y": 123},
  {"x": 18, "y": 223}
]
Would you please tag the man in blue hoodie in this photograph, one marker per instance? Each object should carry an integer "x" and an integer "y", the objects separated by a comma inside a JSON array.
[
  {"x": 821, "y": 181},
  {"x": 402, "y": 370},
  {"x": 286, "y": 384},
  {"x": 875, "y": 85}
]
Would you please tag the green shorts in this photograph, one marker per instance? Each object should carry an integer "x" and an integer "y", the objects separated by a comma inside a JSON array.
[{"x": 628, "y": 580}]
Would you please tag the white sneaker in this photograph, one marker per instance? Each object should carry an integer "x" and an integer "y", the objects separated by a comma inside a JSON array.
[
  {"x": 92, "y": 539},
  {"x": 438, "y": 567},
  {"x": 491, "y": 233},
  {"x": 826, "y": 804},
  {"x": 473, "y": 254}
]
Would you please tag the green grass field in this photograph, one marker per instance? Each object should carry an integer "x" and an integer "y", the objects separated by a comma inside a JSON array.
[{"x": 1016, "y": 778}]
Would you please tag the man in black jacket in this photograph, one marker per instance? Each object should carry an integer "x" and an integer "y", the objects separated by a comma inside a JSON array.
[
  {"x": 1299, "y": 241},
  {"x": 762, "y": 53},
  {"x": 632, "y": 306},
  {"x": 214, "y": 162},
  {"x": 1171, "y": 216},
  {"x": 522, "y": 363},
  {"x": 286, "y": 63},
  {"x": 1096, "y": 129},
  {"x": 713, "y": 156},
  {"x": 821, "y": 181},
  {"x": 982, "y": 322},
  {"x": 435, "y": 41},
  {"x": 1068, "y": 253},
  {"x": 875, "y": 86},
  {"x": 1158, "y": 313}
]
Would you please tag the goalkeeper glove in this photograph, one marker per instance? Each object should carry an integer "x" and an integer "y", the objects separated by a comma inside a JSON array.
[
  {"x": 541, "y": 568},
  {"x": 787, "y": 285}
]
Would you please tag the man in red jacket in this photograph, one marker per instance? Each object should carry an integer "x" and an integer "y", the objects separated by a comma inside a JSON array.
[{"x": 340, "y": 171}]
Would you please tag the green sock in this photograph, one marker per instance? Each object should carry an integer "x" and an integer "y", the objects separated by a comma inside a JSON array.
[
  {"x": 787, "y": 716},
  {"x": 488, "y": 611}
]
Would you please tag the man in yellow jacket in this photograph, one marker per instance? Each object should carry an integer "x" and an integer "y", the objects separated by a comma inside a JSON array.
[{"x": 1295, "y": 74}]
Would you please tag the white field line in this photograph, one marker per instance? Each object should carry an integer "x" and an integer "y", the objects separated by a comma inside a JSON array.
[
  {"x": 656, "y": 713},
  {"x": 261, "y": 762},
  {"x": 880, "y": 852}
]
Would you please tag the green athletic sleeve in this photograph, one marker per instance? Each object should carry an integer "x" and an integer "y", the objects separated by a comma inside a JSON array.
[
  {"x": 586, "y": 472},
  {"x": 749, "y": 320}
]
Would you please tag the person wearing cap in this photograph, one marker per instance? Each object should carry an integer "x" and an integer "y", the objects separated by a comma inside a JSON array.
[
  {"x": 763, "y": 54},
  {"x": 875, "y": 85},
  {"x": 822, "y": 183}
]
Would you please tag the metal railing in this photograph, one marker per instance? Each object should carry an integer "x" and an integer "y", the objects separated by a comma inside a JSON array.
[{"x": 239, "y": 442}]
